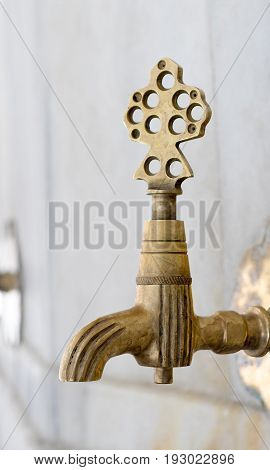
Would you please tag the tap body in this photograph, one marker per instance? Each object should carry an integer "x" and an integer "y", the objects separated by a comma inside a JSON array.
[{"x": 161, "y": 330}]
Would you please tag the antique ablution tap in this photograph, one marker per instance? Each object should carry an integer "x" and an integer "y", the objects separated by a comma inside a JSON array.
[{"x": 161, "y": 330}]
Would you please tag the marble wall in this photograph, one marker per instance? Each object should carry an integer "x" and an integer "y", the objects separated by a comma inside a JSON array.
[{"x": 67, "y": 70}]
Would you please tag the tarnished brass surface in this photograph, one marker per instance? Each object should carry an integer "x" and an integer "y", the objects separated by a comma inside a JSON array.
[
  {"x": 161, "y": 330},
  {"x": 182, "y": 114},
  {"x": 229, "y": 332}
]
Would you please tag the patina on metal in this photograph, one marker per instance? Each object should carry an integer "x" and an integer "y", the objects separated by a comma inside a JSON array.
[{"x": 161, "y": 330}]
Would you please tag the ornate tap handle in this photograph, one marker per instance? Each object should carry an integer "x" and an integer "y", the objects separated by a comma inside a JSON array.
[
  {"x": 161, "y": 330},
  {"x": 162, "y": 115}
]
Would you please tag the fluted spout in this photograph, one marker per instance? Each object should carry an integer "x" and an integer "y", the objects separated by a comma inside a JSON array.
[{"x": 89, "y": 350}]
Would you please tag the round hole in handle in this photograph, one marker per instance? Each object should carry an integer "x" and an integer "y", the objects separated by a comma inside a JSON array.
[
  {"x": 195, "y": 112},
  {"x": 161, "y": 65},
  {"x": 165, "y": 81},
  {"x": 193, "y": 94},
  {"x": 137, "y": 97},
  {"x": 135, "y": 133},
  {"x": 177, "y": 125},
  {"x": 150, "y": 99},
  {"x": 153, "y": 124},
  {"x": 181, "y": 99},
  {"x": 174, "y": 168},
  {"x": 152, "y": 166},
  {"x": 135, "y": 115},
  {"x": 192, "y": 128}
]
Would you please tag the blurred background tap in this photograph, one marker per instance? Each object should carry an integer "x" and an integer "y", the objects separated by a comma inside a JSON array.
[{"x": 10, "y": 286}]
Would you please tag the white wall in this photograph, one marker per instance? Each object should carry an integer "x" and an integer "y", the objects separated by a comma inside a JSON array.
[{"x": 80, "y": 61}]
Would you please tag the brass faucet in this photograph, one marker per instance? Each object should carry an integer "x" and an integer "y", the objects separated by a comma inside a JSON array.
[{"x": 161, "y": 330}]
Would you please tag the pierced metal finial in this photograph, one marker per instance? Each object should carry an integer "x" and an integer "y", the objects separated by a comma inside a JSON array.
[{"x": 162, "y": 115}]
